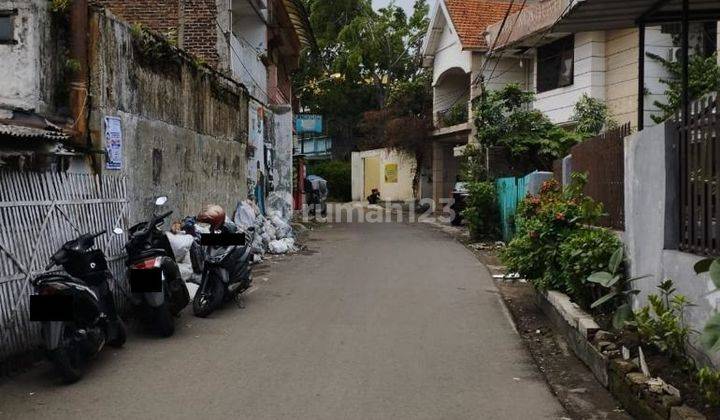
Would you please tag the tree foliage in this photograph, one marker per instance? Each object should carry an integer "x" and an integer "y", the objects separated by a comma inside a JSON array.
[
  {"x": 373, "y": 51},
  {"x": 703, "y": 77},
  {"x": 592, "y": 115},
  {"x": 338, "y": 175},
  {"x": 505, "y": 118},
  {"x": 404, "y": 123}
]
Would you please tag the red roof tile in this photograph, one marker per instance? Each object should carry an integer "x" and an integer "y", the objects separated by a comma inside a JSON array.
[{"x": 472, "y": 17}]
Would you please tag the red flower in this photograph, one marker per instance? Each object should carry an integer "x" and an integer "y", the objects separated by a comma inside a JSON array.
[
  {"x": 549, "y": 185},
  {"x": 560, "y": 216}
]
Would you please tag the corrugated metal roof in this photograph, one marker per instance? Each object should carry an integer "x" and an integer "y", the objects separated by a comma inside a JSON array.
[
  {"x": 569, "y": 16},
  {"x": 31, "y": 133},
  {"x": 592, "y": 15},
  {"x": 301, "y": 24}
]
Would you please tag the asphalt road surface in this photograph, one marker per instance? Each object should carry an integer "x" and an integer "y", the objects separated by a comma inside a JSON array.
[{"x": 382, "y": 321}]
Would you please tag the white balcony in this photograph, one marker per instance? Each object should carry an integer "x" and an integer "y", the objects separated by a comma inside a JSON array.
[{"x": 451, "y": 95}]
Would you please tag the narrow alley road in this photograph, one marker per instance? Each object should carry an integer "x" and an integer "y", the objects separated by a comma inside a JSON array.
[{"x": 383, "y": 321}]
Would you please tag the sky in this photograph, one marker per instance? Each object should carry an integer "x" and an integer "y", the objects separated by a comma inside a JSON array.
[{"x": 406, "y": 4}]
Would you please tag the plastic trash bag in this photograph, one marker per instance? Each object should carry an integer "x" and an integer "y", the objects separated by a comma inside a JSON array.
[
  {"x": 180, "y": 243},
  {"x": 281, "y": 246},
  {"x": 270, "y": 230},
  {"x": 192, "y": 289},
  {"x": 258, "y": 247},
  {"x": 282, "y": 228},
  {"x": 245, "y": 214}
]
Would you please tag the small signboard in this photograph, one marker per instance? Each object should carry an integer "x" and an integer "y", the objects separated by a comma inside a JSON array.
[
  {"x": 113, "y": 143},
  {"x": 391, "y": 173},
  {"x": 308, "y": 123}
]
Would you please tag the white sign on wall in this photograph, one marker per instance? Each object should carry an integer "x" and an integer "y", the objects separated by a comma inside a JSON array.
[{"x": 113, "y": 143}]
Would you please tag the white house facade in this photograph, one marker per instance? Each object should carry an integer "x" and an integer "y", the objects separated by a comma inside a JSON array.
[{"x": 454, "y": 48}]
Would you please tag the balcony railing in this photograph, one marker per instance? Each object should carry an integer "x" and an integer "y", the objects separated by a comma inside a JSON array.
[{"x": 314, "y": 147}]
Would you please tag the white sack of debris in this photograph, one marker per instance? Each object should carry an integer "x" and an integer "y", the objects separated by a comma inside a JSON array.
[
  {"x": 181, "y": 243},
  {"x": 272, "y": 233},
  {"x": 282, "y": 246}
]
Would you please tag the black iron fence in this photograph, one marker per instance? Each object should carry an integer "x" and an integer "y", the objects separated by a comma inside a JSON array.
[{"x": 699, "y": 175}]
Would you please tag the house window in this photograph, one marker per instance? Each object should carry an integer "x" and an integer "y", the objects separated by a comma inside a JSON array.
[
  {"x": 710, "y": 38},
  {"x": 555, "y": 64},
  {"x": 7, "y": 26}
]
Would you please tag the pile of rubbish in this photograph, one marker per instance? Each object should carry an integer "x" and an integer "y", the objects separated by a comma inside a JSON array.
[{"x": 273, "y": 234}]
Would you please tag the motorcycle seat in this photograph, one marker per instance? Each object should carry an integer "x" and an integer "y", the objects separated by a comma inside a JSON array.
[
  {"x": 51, "y": 277},
  {"x": 148, "y": 253}
]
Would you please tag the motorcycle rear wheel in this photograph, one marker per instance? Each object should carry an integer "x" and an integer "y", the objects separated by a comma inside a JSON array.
[
  {"x": 163, "y": 320},
  {"x": 69, "y": 359},
  {"x": 204, "y": 304}
]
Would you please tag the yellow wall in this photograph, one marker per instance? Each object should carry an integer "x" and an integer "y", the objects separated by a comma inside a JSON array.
[
  {"x": 369, "y": 170},
  {"x": 371, "y": 173}
]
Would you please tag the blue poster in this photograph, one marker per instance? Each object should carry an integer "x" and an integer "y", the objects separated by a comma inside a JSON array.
[
  {"x": 308, "y": 123},
  {"x": 113, "y": 143}
]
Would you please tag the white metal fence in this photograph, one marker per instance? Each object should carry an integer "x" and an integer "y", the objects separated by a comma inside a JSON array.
[{"x": 38, "y": 213}]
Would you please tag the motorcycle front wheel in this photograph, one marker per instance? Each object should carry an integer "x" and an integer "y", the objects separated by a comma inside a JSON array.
[
  {"x": 119, "y": 334},
  {"x": 208, "y": 298}
]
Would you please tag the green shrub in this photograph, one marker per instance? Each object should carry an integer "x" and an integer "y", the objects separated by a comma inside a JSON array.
[
  {"x": 524, "y": 256},
  {"x": 549, "y": 227},
  {"x": 482, "y": 211},
  {"x": 662, "y": 322},
  {"x": 592, "y": 115},
  {"x": 709, "y": 383},
  {"x": 338, "y": 175},
  {"x": 585, "y": 251},
  {"x": 458, "y": 114}
]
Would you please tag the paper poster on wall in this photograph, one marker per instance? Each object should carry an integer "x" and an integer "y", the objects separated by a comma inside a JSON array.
[
  {"x": 113, "y": 143},
  {"x": 391, "y": 173}
]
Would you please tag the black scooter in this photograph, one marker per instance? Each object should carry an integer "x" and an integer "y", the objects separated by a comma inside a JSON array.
[
  {"x": 76, "y": 309},
  {"x": 155, "y": 281},
  {"x": 227, "y": 271}
]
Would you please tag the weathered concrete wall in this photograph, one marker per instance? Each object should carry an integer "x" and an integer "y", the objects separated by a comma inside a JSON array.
[
  {"x": 28, "y": 69},
  {"x": 280, "y": 198},
  {"x": 184, "y": 127},
  {"x": 256, "y": 141},
  {"x": 652, "y": 227},
  {"x": 645, "y": 180}
]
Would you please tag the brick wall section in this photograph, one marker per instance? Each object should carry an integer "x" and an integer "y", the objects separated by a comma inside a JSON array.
[
  {"x": 193, "y": 20},
  {"x": 200, "y": 29},
  {"x": 159, "y": 15}
]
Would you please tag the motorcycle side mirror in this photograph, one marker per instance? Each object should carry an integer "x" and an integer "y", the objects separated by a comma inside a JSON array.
[
  {"x": 118, "y": 231},
  {"x": 161, "y": 201}
]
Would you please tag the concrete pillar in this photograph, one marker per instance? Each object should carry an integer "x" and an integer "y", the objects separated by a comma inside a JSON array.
[
  {"x": 438, "y": 172},
  {"x": 567, "y": 170}
]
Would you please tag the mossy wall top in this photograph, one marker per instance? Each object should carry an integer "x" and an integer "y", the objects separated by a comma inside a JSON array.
[{"x": 138, "y": 73}]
